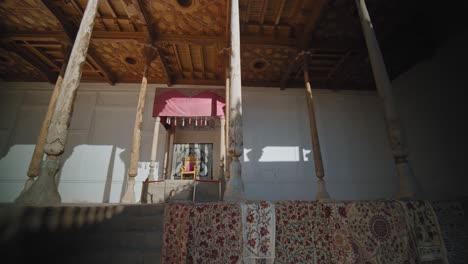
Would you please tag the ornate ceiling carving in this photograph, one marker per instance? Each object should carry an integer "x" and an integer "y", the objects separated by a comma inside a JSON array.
[
  {"x": 191, "y": 36},
  {"x": 119, "y": 55}
]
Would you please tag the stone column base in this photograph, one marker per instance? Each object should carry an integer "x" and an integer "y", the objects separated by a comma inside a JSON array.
[
  {"x": 234, "y": 187},
  {"x": 322, "y": 193},
  {"x": 129, "y": 196},
  {"x": 44, "y": 190}
]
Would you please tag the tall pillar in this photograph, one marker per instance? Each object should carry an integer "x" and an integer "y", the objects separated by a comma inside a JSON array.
[
  {"x": 154, "y": 149},
  {"x": 38, "y": 154},
  {"x": 235, "y": 186},
  {"x": 166, "y": 152},
  {"x": 222, "y": 153},
  {"x": 129, "y": 195},
  {"x": 408, "y": 187},
  {"x": 44, "y": 191},
  {"x": 322, "y": 193},
  {"x": 227, "y": 159},
  {"x": 171, "y": 152}
]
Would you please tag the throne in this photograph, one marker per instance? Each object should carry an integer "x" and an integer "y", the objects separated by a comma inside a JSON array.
[{"x": 189, "y": 169}]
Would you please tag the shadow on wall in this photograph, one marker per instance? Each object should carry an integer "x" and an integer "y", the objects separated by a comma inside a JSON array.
[
  {"x": 88, "y": 173},
  {"x": 278, "y": 173}
]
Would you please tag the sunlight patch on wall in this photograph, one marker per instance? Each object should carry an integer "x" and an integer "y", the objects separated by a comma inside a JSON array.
[
  {"x": 272, "y": 154},
  {"x": 306, "y": 153}
]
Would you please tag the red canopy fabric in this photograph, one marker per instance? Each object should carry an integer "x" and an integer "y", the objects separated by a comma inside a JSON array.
[{"x": 176, "y": 104}]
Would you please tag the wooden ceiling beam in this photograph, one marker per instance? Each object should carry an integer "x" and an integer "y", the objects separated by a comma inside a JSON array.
[
  {"x": 114, "y": 17},
  {"x": 192, "y": 69},
  {"x": 166, "y": 71},
  {"x": 36, "y": 35},
  {"x": 71, "y": 31},
  {"x": 303, "y": 42},
  {"x": 263, "y": 11},
  {"x": 338, "y": 64},
  {"x": 139, "y": 15},
  {"x": 110, "y": 77},
  {"x": 176, "y": 52},
  {"x": 291, "y": 69},
  {"x": 312, "y": 23},
  {"x": 39, "y": 54},
  {"x": 111, "y": 9},
  {"x": 279, "y": 11},
  {"x": 202, "y": 60},
  {"x": 268, "y": 41},
  {"x": 34, "y": 61}
]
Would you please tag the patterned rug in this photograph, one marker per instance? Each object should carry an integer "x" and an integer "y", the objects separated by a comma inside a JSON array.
[
  {"x": 332, "y": 239},
  {"x": 176, "y": 230},
  {"x": 379, "y": 232},
  {"x": 425, "y": 231},
  {"x": 259, "y": 229},
  {"x": 311, "y": 232},
  {"x": 215, "y": 234},
  {"x": 452, "y": 222},
  {"x": 295, "y": 226}
]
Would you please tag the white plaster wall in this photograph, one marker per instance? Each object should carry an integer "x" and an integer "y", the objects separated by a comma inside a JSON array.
[
  {"x": 277, "y": 159},
  {"x": 277, "y": 162},
  {"x": 97, "y": 153},
  {"x": 431, "y": 100}
]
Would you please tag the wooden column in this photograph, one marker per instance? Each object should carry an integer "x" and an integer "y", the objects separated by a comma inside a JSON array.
[
  {"x": 44, "y": 190},
  {"x": 235, "y": 186},
  {"x": 408, "y": 187},
  {"x": 166, "y": 152},
  {"x": 171, "y": 152},
  {"x": 322, "y": 193},
  {"x": 227, "y": 159},
  {"x": 129, "y": 196},
  {"x": 154, "y": 149},
  {"x": 38, "y": 154},
  {"x": 222, "y": 153}
]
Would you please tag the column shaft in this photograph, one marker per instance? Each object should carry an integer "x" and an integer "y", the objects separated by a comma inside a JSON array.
[
  {"x": 129, "y": 196},
  {"x": 408, "y": 187},
  {"x": 154, "y": 149},
  {"x": 322, "y": 192},
  {"x": 235, "y": 186},
  {"x": 44, "y": 191}
]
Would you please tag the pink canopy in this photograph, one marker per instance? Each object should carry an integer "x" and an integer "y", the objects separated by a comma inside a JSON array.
[{"x": 176, "y": 104}]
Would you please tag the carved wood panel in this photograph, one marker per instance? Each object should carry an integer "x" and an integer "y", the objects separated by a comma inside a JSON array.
[
  {"x": 262, "y": 64},
  {"x": 126, "y": 60},
  {"x": 202, "y": 17},
  {"x": 193, "y": 61},
  {"x": 284, "y": 18},
  {"x": 26, "y": 15}
]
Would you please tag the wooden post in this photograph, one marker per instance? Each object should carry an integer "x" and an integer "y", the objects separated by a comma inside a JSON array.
[
  {"x": 227, "y": 159},
  {"x": 171, "y": 152},
  {"x": 235, "y": 186},
  {"x": 129, "y": 196},
  {"x": 166, "y": 152},
  {"x": 322, "y": 193},
  {"x": 408, "y": 187},
  {"x": 154, "y": 149},
  {"x": 222, "y": 153},
  {"x": 38, "y": 154},
  {"x": 44, "y": 190}
]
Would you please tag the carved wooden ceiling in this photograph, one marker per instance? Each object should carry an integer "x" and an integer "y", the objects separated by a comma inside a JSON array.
[{"x": 192, "y": 37}]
